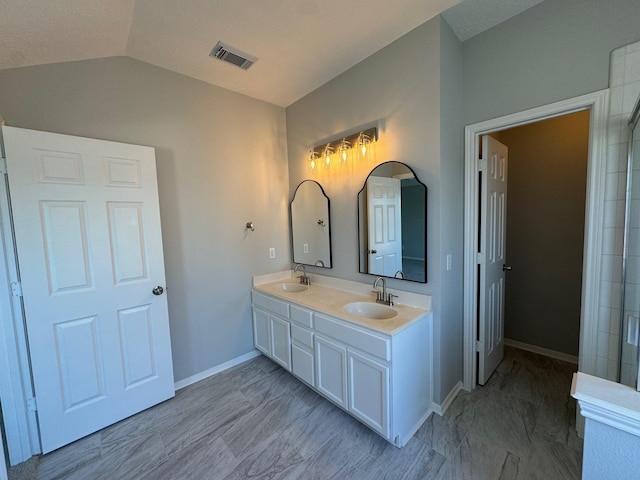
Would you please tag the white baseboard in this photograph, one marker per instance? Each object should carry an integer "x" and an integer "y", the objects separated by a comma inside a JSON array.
[
  {"x": 441, "y": 409},
  {"x": 416, "y": 427},
  {"x": 565, "y": 357},
  {"x": 217, "y": 369}
]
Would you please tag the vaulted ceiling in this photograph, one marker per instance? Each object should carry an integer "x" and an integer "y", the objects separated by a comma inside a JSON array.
[{"x": 300, "y": 44}]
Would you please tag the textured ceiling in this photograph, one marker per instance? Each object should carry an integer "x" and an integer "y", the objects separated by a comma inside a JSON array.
[
  {"x": 300, "y": 44},
  {"x": 33, "y": 32},
  {"x": 472, "y": 17}
]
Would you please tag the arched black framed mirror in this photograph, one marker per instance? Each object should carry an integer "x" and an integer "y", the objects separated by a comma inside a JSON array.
[
  {"x": 392, "y": 223},
  {"x": 311, "y": 225}
]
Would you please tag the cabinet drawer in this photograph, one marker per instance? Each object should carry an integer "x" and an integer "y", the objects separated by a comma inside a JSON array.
[
  {"x": 271, "y": 304},
  {"x": 360, "y": 339},
  {"x": 302, "y": 316},
  {"x": 302, "y": 336}
]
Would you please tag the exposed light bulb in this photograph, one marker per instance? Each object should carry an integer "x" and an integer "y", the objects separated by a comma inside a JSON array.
[
  {"x": 328, "y": 159},
  {"x": 344, "y": 155},
  {"x": 313, "y": 164},
  {"x": 364, "y": 150}
]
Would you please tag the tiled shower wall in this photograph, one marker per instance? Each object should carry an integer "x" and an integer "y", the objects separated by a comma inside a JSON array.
[
  {"x": 624, "y": 82},
  {"x": 631, "y": 285}
]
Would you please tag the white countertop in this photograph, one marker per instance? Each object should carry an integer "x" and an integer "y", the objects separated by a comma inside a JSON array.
[
  {"x": 607, "y": 402},
  {"x": 331, "y": 300}
]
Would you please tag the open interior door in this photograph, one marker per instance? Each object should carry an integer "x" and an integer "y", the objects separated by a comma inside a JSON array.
[
  {"x": 87, "y": 230},
  {"x": 385, "y": 225},
  {"x": 492, "y": 256}
]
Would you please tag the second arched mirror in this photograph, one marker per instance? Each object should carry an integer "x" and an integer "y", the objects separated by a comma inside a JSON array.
[
  {"x": 392, "y": 223},
  {"x": 310, "y": 225}
]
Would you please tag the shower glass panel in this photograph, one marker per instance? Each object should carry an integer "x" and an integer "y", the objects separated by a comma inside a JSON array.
[{"x": 630, "y": 317}]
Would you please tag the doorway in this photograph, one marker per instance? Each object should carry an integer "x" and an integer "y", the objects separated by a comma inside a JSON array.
[
  {"x": 596, "y": 104},
  {"x": 545, "y": 234}
]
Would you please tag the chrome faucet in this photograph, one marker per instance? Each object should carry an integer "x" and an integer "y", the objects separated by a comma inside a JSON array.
[
  {"x": 381, "y": 296},
  {"x": 304, "y": 279}
]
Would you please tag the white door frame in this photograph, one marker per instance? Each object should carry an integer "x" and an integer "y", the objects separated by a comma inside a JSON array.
[
  {"x": 597, "y": 103},
  {"x": 21, "y": 425}
]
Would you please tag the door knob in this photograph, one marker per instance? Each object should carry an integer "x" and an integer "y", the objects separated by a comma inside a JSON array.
[
  {"x": 158, "y": 290},
  {"x": 373, "y": 251},
  {"x": 506, "y": 268}
]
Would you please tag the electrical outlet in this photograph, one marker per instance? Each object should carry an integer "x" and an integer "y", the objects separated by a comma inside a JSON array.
[
  {"x": 305, "y": 248},
  {"x": 272, "y": 253},
  {"x": 448, "y": 262}
]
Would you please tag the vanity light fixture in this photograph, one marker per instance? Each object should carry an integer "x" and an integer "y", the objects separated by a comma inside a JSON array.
[
  {"x": 363, "y": 141},
  {"x": 313, "y": 156},
  {"x": 344, "y": 149},
  {"x": 328, "y": 151}
]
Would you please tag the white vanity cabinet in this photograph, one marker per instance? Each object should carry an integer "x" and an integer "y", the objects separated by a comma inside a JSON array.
[
  {"x": 272, "y": 330},
  {"x": 383, "y": 380}
]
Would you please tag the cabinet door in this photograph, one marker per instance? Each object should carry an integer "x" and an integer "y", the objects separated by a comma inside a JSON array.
[
  {"x": 331, "y": 368},
  {"x": 302, "y": 364},
  {"x": 261, "y": 331},
  {"x": 280, "y": 341},
  {"x": 369, "y": 392}
]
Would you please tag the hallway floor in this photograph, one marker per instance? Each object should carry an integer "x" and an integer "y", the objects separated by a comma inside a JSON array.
[{"x": 257, "y": 421}]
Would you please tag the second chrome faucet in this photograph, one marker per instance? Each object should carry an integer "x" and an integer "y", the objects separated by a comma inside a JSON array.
[{"x": 381, "y": 296}]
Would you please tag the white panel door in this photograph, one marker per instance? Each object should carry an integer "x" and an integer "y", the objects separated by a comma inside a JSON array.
[
  {"x": 385, "y": 225},
  {"x": 493, "y": 228},
  {"x": 87, "y": 229}
]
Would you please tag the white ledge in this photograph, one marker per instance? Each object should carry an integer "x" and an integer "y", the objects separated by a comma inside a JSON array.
[{"x": 607, "y": 402}]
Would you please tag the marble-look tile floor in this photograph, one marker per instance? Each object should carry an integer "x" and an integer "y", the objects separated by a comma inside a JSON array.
[{"x": 257, "y": 421}]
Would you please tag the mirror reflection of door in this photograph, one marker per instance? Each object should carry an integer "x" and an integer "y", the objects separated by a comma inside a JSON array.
[
  {"x": 392, "y": 219},
  {"x": 385, "y": 226}
]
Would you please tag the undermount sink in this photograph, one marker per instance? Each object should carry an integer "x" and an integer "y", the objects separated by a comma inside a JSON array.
[
  {"x": 374, "y": 311},
  {"x": 292, "y": 287}
]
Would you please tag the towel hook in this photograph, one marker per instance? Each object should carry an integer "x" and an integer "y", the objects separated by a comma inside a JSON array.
[{"x": 250, "y": 226}]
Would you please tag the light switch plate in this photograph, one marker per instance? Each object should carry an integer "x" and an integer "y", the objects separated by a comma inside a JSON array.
[{"x": 633, "y": 324}]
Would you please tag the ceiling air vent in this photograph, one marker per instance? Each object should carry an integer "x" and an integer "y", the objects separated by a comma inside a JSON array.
[{"x": 232, "y": 55}]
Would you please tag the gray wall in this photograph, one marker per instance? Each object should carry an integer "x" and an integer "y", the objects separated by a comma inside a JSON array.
[
  {"x": 399, "y": 90},
  {"x": 222, "y": 161},
  {"x": 556, "y": 50},
  {"x": 452, "y": 208},
  {"x": 609, "y": 452},
  {"x": 545, "y": 231}
]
